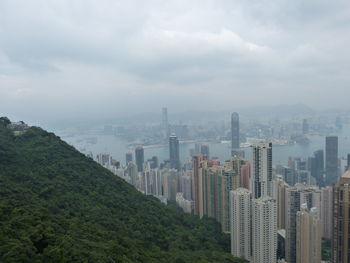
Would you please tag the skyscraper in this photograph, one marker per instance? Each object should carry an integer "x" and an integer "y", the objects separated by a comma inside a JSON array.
[
  {"x": 235, "y": 131},
  {"x": 264, "y": 230},
  {"x": 331, "y": 159},
  {"x": 317, "y": 167},
  {"x": 279, "y": 194},
  {"x": 261, "y": 170},
  {"x": 327, "y": 211},
  {"x": 341, "y": 220},
  {"x": 165, "y": 125},
  {"x": 240, "y": 211},
  {"x": 245, "y": 176},
  {"x": 308, "y": 227},
  {"x": 295, "y": 197},
  {"x": 140, "y": 158},
  {"x": 128, "y": 158},
  {"x": 205, "y": 150},
  {"x": 132, "y": 173},
  {"x": 197, "y": 182},
  {"x": 217, "y": 182},
  {"x": 174, "y": 152}
]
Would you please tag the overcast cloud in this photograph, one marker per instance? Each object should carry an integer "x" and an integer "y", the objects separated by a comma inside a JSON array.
[{"x": 87, "y": 58}]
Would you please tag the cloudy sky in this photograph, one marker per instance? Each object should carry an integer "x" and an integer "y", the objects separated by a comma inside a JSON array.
[{"x": 87, "y": 58}]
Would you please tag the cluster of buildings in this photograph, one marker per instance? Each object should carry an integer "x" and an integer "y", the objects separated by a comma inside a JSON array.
[{"x": 273, "y": 214}]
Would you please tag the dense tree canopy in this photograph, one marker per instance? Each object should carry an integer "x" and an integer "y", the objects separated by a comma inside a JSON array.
[{"x": 56, "y": 205}]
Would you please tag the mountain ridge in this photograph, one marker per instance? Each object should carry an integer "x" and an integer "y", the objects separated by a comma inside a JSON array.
[{"x": 57, "y": 205}]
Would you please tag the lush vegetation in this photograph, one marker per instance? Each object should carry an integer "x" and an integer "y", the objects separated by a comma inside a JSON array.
[
  {"x": 326, "y": 249},
  {"x": 56, "y": 205}
]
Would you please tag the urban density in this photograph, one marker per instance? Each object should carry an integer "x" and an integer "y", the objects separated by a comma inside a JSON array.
[{"x": 293, "y": 213}]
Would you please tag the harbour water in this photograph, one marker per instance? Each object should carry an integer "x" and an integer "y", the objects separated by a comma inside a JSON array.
[{"x": 117, "y": 147}]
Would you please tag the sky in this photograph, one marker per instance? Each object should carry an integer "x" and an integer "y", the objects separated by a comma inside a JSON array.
[{"x": 86, "y": 59}]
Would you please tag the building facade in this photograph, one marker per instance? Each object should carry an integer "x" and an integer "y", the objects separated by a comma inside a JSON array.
[
  {"x": 240, "y": 211},
  {"x": 264, "y": 230},
  {"x": 261, "y": 170}
]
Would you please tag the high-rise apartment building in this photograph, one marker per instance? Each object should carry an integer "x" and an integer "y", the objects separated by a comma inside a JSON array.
[
  {"x": 308, "y": 235},
  {"x": 327, "y": 211},
  {"x": 197, "y": 194},
  {"x": 174, "y": 152},
  {"x": 234, "y": 131},
  {"x": 240, "y": 214},
  {"x": 295, "y": 197},
  {"x": 261, "y": 170},
  {"x": 245, "y": 176},
  {"x": 237, "y": 164},
  {"x": 264, "y": 230},
  {"x": 217, "y": 182},
  {"x": 279, "y": 194},
  {"x": 132, "y": 173},
  {"x": 341, "y": 222},
  {"x": 331, "y": 159},
  {"x": 140, "y": 158}
]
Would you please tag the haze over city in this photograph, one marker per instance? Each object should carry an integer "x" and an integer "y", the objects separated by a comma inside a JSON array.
[
  {"x": 71, "y": 59},
  {"x": 175, "y": 131}
]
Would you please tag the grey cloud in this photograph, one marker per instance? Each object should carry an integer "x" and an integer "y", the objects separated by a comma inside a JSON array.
[{"x": 151, "y": 53}]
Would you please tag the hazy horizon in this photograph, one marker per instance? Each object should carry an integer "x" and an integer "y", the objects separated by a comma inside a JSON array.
[{"x": 87, "y": 59}]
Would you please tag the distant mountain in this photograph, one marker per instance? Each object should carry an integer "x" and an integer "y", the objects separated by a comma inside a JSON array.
[{"x": 56, "y": 205}]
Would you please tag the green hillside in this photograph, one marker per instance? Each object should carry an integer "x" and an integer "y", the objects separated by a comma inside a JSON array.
[{"x": 56, "y": 205}]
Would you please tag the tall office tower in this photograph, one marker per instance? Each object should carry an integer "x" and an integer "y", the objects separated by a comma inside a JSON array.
[
  {"x": 132, "y": 173},
  {"x": 295, "y": 196},
  {"x": 140, "y": 158},
  {"x": 154, "y": 162},
  {"x": 205, "y": 150},
  {"x": 264, "y": 230},
  {"x": 240, "y": 211},
  {"x": 279, "y": 194},
  {"x": 261, "y": 170},
  {"x": 128, "y": 158},
  {"x": 331, "y": 159},
  {"x": 197, "y": 182},
  {"x": 327, "y": 211},
  {"x": 288, "y": 175},
  {"x": 305, "y": 126},
  {"x": 291, "y": 177},
  {"x": 197, "y": 148},
  {"x": 341, "y": 220},
  {"x": 308, "y": 230},
  {"x": 245, "y": 176},
  {"x": 174, "y": 152},
  {"x": 317, "y": 166},
  {"x": 235, "y": 131},
  {"x": 348, "y": 161},
  {"x": 165, "y": 124}
]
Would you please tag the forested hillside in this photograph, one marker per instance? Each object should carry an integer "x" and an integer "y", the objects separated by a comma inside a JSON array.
[{"x": 56, "y": 205}]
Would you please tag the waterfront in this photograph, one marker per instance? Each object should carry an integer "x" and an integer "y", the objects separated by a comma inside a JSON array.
[{"x": 117, "y": 147}]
